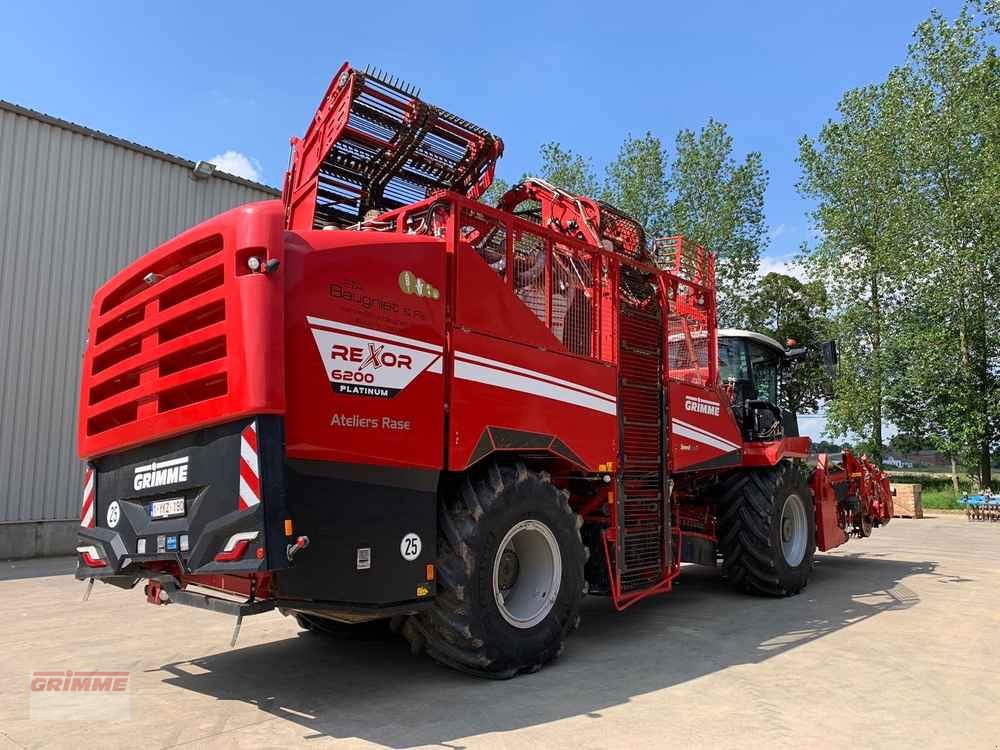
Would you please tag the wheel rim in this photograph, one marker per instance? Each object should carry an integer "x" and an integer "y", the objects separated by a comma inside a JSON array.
[
  {"x": 527, "y": 572},
  {"x": 793, "y": 529}
]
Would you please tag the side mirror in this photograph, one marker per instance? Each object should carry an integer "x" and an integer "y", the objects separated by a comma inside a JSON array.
[
  {"x": 831, "y": 361},
  {"x": 830, "y": 358}
]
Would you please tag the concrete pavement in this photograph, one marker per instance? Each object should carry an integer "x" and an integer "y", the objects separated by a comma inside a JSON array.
[{"x": 892, "y": 645}]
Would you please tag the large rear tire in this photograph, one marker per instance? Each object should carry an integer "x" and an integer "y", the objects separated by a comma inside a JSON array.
[
  {"x": 767, "y": 530},
  {"x": 509, "y": 572}
]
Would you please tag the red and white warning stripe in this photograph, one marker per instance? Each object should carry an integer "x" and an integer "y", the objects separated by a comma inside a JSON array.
[
  {"x": 249, "y": 468},
  {"x": 87, "y": 517}
]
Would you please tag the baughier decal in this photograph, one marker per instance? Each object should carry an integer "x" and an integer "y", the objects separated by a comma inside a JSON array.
[{"x": 365, "y": 362}]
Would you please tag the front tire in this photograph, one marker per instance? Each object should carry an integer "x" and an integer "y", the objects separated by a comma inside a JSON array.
[
  {"x": 510, "y": 574},
  {"x": 767, "y": 530}
]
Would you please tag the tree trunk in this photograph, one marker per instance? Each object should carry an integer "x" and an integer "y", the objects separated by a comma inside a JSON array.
[
  {"x": 983, "y": 373},
  {"x": 954, "y": 475},
  {"x": 877, "y": 372},
  {"x": 985, "y": 469}
]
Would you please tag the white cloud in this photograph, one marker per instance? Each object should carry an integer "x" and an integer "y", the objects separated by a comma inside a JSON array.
[
  {"x": 240, "y": 165},
  {"x": 785, "y": 264},
  {"x": 812, "y": 426},
  {"x": 777, "y": 231}
]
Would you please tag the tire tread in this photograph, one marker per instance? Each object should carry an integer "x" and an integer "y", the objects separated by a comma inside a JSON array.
[
  {"x": 746, "y": 525},
  {"x": 446, "y": 632}
]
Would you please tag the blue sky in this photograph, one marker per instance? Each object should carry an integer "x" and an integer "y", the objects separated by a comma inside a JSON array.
[{"x": 203, "y": 79}]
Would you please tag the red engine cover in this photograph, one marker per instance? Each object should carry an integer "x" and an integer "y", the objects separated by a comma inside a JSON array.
[{"x": 364, "y": 326}]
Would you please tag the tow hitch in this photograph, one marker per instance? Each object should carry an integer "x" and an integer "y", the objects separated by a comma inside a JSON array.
[
  {"x": 167, "y": 591},
  {"x": 155, "y": 593}
]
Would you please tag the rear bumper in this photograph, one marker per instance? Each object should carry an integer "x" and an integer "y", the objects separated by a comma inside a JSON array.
[
  {"x": 228, "y": 491},
  {"x": 372, "y": 530},
  {"x": 118, "y": 549}
]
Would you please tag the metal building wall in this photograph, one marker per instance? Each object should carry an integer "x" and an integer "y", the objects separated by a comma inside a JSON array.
[{"x": 75, "y": 206}]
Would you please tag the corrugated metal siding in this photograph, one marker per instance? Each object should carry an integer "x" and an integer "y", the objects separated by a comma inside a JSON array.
[{"x": 73, "y": 210}]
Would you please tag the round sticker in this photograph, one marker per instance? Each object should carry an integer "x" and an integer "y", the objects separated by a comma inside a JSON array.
[
  {"x": 114, "y": 514},
  {"x": 407, "y": 281},
  {"x": 410, "y": 547}
]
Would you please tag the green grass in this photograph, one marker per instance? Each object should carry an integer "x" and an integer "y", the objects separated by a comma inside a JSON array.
[
  {"x": 943, "y": 499},
  {"x": 938, "y": 493}
]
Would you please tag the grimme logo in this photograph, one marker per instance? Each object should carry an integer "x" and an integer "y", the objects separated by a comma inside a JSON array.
[
  {"x": 701, "y": 406},
  {"x": 79, "y": 682},
  {"x": 79, "y": 695},
  {"x": 160, "y": 473}
]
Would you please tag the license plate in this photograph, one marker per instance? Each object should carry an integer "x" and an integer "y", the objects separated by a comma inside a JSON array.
[{"x": 167, "y": 508}]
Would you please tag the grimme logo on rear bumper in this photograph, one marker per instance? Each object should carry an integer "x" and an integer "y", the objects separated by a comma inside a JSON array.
[
  {"x": 161, "y": 473},
  {"x": 360, "y": 366}
]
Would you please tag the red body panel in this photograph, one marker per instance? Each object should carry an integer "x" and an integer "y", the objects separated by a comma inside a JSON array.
[
  {"x": 364, "y": 357},
  {"x": 193, "y": 348},
  {"x": 504, "y": 384},
  {"x": 769, "y": 454},
  {"x": 485, "y": 304},
  {"x": 703, "y": 431}
]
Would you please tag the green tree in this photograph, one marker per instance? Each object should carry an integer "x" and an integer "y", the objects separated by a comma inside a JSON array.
[
  {"x": 636, "y": 183},
  {"x": 495, "y": 191},
  {"x": 705, "y": 195},
  {"x": 906, "y": 442},
  {"x": 719, "y": 203},
  {"x": 852, "y": 173},
  {"x": 825, "y": 446},
  {"x": 949, "y": 382},
  {"x": 786, "y": 308},
  {"x": 567, "y": 170}
]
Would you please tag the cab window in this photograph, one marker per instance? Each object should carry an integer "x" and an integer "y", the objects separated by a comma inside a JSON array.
[
  {"x": 764, "y": 366},
  {"x": 733, "y": 363}
]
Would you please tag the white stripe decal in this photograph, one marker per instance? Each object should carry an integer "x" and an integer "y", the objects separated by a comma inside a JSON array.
[
  {"x": 534, "y": 374},
  {"x": 521, "y": 384},
  {"x": 89, "y": 518},
  {"x": 435, "y": 366},
  {"x": 249, "y": 456},
  {"x": 89, "y": 487},
  {"x": 708, "y": 434},
  {"x": 247, "y": 494},
  {"x": 161, "y": 464},
  {"x": 374, "y": 333},
  {"x": 91, "y": 551},
  {"x": 700, "y": 436}
]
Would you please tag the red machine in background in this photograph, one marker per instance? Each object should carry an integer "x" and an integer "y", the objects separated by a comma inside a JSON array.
[{"x": 380, "y": 400}]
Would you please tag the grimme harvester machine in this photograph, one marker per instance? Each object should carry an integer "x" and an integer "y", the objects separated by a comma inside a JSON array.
[{"x": 379, "y": 401}]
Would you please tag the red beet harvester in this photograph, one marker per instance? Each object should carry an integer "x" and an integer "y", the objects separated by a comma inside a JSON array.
[{"x": 379, "y": 400}]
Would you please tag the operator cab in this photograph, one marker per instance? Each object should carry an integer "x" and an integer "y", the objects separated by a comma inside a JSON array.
[{"x": 750, "y": 369}]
